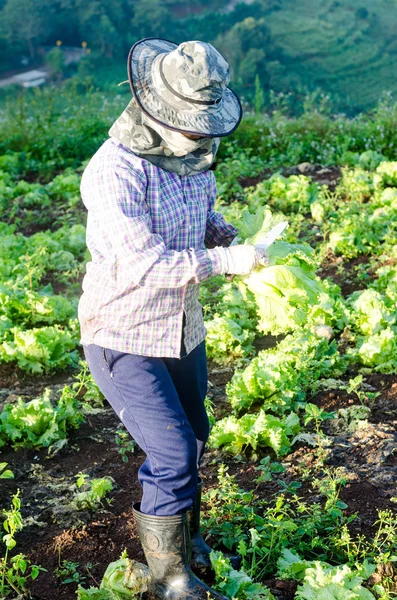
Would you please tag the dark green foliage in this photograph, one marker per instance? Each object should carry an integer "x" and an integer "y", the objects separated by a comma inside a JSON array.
[
  {"x": 347, "y": 49},
  {"x": 59, "y": 127},
  {"x": 316, "y": 137}
]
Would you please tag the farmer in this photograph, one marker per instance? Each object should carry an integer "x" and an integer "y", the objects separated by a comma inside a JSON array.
[{"x": 153, "y": 236}]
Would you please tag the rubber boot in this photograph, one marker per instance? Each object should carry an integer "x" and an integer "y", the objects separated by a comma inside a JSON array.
[
  {"x": 200, "y": 549},
  {"x": 167, "y": 547}
]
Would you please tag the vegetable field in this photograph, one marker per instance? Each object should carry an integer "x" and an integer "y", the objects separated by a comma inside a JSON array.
[{"x": 301, "y": 468}]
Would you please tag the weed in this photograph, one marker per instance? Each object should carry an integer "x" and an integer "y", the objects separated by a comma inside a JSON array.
[
  {"x": 125, "y": 443},
  {"x": 96, "y": 491},
  {"x": 357, "y": 387},
  {"x": 313, "y": 413},
  {"x": 268, "y": 469},
  {"x": 15, "y": 571},
  {"x": 68, "y": 572}
]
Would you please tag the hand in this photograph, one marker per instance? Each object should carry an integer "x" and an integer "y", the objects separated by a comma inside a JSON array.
[
  {"x": 263, "y": 254},
  {"x": 241, "y": 259}
]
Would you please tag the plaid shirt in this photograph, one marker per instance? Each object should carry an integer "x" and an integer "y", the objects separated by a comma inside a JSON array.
[{"x": 153, "y": 236}]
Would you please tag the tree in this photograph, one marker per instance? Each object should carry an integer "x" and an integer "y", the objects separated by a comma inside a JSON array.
[
  {"x": 26, "y": 22},
  {"x": 151, "y": 18},
  {"x": 362, "y": 13},
  {"x": 101, "y": 24},
  {"x": 259, "y": 99},
  {"x": 251, "y": 65},
  {"x": 56, "y": 62},
  {"x": 245, "y": 48},
  {"x": 106, "y": 35}
]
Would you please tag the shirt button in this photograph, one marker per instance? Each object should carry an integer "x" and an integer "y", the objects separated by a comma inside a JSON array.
[{"x": 190, "y": 227}]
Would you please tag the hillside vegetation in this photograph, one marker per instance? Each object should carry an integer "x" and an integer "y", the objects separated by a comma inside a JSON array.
[{"x": 347, "y": 50}]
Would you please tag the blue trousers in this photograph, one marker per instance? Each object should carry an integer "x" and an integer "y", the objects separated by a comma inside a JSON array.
[{"x": 161, "y": 403}]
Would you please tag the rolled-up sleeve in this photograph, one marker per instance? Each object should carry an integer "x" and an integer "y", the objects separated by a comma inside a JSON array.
[
  {"x": 218, "y": 232},
  {"x": 117, "y": 196}
]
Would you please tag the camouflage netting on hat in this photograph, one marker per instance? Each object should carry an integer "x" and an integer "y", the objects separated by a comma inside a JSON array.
[{"x": 163, "y": 147}]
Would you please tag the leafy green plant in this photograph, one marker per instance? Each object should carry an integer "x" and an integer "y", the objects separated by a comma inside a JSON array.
[
  {"x": 230, "y": 510},
  {"x": 254, "y": 431},
  {"x": 318, "y": 416},
  {"x": 357, "y": 387},
  {"x": 37, "y": 423},
  {"x": 330, "y": 485},
  {"x": 85, "y": 390},
  {"x": 68, "y": 572},
  {"x": 230, "y": 322},
  {"x": 321, "y": 581},
  {"x": 236, "y": 164},
  {"x": 280, "y": 377},
  {"x": 370, "y": 311},
  {"x": 285, "y": 194},
  {"x": 93, "y": 492},
  {"x": 28, "y": 307},
  {"x": 388, "y": 172},
  {"x": 290, "y": 487},
  {"x": 268, "y": 469},
  {"x": 123, "y": 579},
  {"x": 384, "y": 544},
  {"x": 25, "y": 204},
  {"x": 38, "y": 329},
  {"x": 380, "y": 549},
  {"x": 286, "y": 288},
  {"x": 5, "y": 473},
  {"x": 41, "y": 349},
  {"x": 15, "y": 571},
  {"x": 352, "y": 231},
  {"x": 126, "y": 445},
  {"x": 260, "y": 529},
  {"x": 276, "y": 382},
  {"x": 236, "y": 585},
  {"x": 354, "y": 417},
  {"x": 377, "y": 352},
  {"x": 227, "y": 339}
]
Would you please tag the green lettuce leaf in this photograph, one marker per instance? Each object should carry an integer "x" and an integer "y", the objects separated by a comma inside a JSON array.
[
  {"x": 283, "y": 295},
  {"x": 378, "y": 351},
  {"x": 321, "y": 581},
  {"x": 125, "y": 579},
  {"x": 253, "y": 431},
  {"x": 369, "y": 312}
]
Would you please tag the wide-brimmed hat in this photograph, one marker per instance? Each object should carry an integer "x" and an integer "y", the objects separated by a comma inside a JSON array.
[{"x": 184, "y": 88}]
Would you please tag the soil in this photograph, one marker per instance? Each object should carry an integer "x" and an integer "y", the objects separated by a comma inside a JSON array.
[
  {"x": 344, "y": 272},
  {"x": 367, "y": 456},
  {"x": 328, "y": 176}
]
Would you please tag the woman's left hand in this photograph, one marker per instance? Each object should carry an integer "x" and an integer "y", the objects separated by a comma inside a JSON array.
[{"x": 263, "y": 255}]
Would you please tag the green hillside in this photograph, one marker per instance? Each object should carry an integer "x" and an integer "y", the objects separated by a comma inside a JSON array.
[{"x": 346, "y": 48}]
